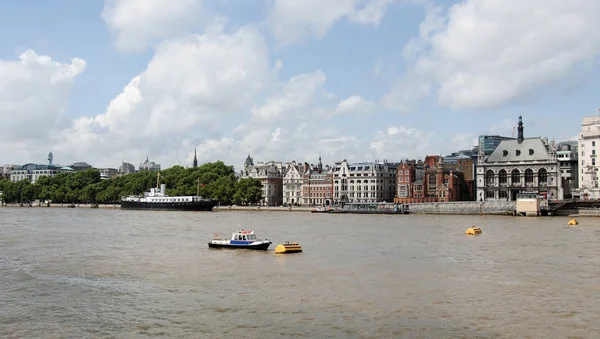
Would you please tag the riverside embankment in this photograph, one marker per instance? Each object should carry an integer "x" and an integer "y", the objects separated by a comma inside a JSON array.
[{"x": 449, "y": 208}]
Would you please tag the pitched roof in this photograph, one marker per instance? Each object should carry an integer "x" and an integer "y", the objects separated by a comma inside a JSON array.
[{"x": 531, "y": 149}]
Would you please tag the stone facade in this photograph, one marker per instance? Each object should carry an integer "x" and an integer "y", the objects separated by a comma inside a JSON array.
[
  {"x": 292, "y": 183},
  {"x": 521, "y": 165},
  {"x": 364, "y": 182},
  {"x": 270, "y": 175},
  {"x": 589, "y": 143},
  {"x": 149, "y": 166}
]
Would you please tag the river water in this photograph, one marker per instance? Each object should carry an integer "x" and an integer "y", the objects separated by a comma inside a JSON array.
[{"x": 94, "y": 273}]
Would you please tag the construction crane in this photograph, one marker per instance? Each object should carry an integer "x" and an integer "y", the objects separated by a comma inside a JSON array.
[{"x": 179, "y": 161}]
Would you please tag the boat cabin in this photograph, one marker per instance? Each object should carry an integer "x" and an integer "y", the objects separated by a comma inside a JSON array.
[{"x": 243, "y": 235}]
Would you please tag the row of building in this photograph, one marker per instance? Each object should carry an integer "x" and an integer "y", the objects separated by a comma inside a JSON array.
[
  {"x": 496, "y": 169},
  {"x": 33, "y": 171}
]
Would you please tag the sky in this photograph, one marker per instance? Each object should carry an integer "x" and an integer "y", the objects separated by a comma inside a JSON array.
[{"x": 363, "y": 80}]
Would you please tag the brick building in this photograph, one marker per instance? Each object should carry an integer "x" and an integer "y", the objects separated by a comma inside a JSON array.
[
  {"x": 317, "y": 185},
  {"x": 429, "y": 181}
]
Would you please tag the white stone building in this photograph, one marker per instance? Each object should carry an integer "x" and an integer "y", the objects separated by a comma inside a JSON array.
[
  {"x": 149, "y": 166},
  {"x": 270, "y": 175},
  {"x": 364, "y": 182},
  {"x": 521, "y": 165},
  {"x": 292, "y": 183},
  {"x": 589, "y": 144}
]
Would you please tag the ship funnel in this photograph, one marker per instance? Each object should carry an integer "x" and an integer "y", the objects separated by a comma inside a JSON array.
[{"x": 163, "y": 189}]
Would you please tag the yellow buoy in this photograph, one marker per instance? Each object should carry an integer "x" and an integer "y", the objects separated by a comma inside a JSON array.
[
  {"x": 573, "y": 222},
  {"x": 473, "y": 231},
  {"x": 288, "y": 247}
]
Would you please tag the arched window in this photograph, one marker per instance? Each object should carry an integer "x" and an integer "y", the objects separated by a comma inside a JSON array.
[
  {"x": 432, "y": 181},
  {"x": 489, "y": 177},
  {"x": 528, "y": 176},
  {"x": 542, "y": 176},
  {"x": 502, "y": 176},
  {"x": 515, "y": 176}
]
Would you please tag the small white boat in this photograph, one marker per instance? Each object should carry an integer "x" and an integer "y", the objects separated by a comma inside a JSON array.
[{"x": 241, "y": 239}]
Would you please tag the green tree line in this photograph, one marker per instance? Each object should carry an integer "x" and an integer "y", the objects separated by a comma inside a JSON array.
[{"x": 214, "y": 180}]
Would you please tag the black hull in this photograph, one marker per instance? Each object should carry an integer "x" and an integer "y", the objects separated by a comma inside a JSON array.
[
  {"x": 261, "y": 247},
  {"x": 176, "y": 206}
]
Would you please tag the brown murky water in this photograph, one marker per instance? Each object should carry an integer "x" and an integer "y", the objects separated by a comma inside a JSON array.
[{"x": 83, "y": 273}]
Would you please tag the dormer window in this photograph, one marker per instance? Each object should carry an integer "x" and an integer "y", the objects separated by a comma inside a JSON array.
[
  {"x": 504, "y": 153},
  {"x": 518, "y": 152},
  {"x": 530, "y": 151}
]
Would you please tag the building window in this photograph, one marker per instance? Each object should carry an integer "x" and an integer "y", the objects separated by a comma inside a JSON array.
[
  {"x": 543, "y": 176},
  {"x": 518, "y": 152},
  {"x": 593, "y": 143},
  {"x": 504, "y": 153},
  {"x": 529, "y": 175},
  {"x": 515, "y": 176},
  {"x": 593, "y": 161},
  {"x": 503, "y": 194},
  {"x": 489, "y": 194},
  {"x": 489, "y": 178},
  {"x": 502, "y": 176},
  {"x": 530, "y": 151}
]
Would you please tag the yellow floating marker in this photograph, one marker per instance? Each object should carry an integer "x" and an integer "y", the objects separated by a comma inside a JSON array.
[
  {"x": 573, "y": 222},
  {"x": 473, "y": 231},
  {"x": 288, "y": 247}
]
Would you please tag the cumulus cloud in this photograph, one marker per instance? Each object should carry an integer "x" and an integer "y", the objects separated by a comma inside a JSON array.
[
  {"x": 190, "y": 89},
  {"x": 139, "y": 23},
  {"x": 355, "y": 104},
  {"x": 34, "y": 93},
  {"x": 295, "y": 95},
  {"x": 483, "y": 54},
  {"x": 294, "y": 21}
]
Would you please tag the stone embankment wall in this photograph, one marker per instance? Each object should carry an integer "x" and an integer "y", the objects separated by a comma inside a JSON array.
[{"x": 465, "y": 207}]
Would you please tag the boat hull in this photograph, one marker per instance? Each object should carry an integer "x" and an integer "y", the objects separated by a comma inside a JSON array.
[
  {"x": 260, "y": 247},
  {"x": 168, "y": 206}
]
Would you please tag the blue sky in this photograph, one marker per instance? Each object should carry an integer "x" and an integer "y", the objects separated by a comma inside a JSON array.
[{"x": 289, "y": 80}]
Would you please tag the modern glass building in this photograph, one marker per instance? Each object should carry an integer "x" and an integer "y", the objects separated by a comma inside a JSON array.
[{"x": 489, "y": 142}]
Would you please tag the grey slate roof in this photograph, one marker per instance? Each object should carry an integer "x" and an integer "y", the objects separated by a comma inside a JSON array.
[{"x": 540, "y": 151}]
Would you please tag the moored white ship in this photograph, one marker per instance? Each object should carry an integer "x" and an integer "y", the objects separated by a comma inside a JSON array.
[{"x": 157, "y": 199}]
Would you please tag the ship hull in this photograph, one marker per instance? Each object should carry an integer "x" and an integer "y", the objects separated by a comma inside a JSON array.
[
  {"x": 259, "y": 247},
  {"x": 169, "y": 206}
]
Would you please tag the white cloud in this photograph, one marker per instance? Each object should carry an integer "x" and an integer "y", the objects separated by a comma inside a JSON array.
[
  {"x": 483, "y": 54},
  {"x": 139, "y": 23},
  {"x": 190, "y": 90},
  {"x": 371, "y": 13},
  {"x": 34, "y": 93},
  {"x": 355, "y": 104},
  {"x": 294, "y": 96},
  {"x": 293, "y": 21},
  {"x": 395, "y": 143}
]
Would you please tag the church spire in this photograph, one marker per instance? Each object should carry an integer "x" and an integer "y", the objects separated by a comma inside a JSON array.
[
  {"x": 195, "y": 159},
  {"x": 520, "y": 130}
]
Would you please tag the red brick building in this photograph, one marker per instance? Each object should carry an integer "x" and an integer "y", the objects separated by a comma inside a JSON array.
[
  {"x": 317, "y": 185},
  {"x": 428, "y": 181}
]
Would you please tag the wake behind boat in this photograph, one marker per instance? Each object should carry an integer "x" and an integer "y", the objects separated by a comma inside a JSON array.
[{"x": 241, "y": 239}]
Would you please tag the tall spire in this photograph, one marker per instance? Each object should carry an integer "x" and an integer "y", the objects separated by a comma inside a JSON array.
[
  {"x": 195, "y": 159},
  {"x": 520, "y": 129}
]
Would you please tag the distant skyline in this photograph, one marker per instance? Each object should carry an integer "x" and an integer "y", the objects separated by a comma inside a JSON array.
[{"x": 107, "y": 81}]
